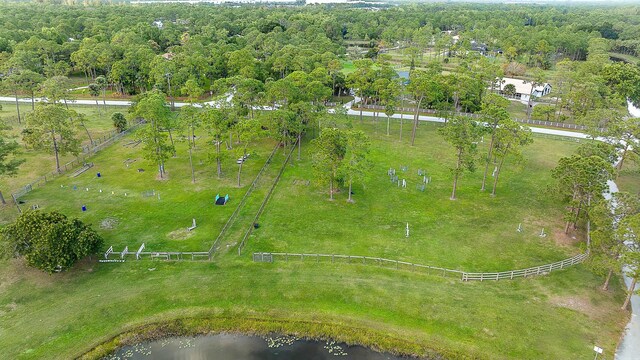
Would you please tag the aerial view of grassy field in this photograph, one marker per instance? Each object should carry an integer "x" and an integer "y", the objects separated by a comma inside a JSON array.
[
  {"x": 475, "y": 233},
  {"x": 285, "y": 180}
]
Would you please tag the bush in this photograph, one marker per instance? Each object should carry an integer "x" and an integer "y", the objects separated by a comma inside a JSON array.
[
  {"x": 119, "y": 121},
  {"x": 49, "y": 241},
  {"x": 562, "y": 117},
  {"x": 543, "y": 112}
]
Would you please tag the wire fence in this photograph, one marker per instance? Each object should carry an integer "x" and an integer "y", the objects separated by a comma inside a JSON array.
[
  {"x": 235, "y": 213},
  {"x": 80, "y": 160},
  {"x": 560, "y": 137},
  {"x": 523, "y": 121},
  {"x": 87, "y": 149},
  {"x": 431, "y": 270},
  {"x": 265, "y": 201}
]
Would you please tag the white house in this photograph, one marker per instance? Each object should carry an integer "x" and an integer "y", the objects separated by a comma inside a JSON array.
[{"x": 523, "y": 88}]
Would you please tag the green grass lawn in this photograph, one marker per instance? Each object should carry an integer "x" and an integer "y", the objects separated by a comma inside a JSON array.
[
  {"x": 348, "y": 67},
  {"x": 342, "y": 99},
  {"x": 628, "y": 58},
  {"x": 482, "y": 229},
  {"x": 517, "y": 109},
  {"x": 559, "y": 316},
  {"x": 38, "y": 163},
  {"x": 121, "y": 195},
  {"x": 629, "y": 179},
  {"x": 555, "y": 317}
]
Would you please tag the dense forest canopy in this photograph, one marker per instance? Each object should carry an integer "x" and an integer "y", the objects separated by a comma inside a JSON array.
[
  {"x": 49, "y": 27},
  {"x": 138, "y": 48}
]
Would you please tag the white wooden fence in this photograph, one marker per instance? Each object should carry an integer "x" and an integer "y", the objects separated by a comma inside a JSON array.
[
  {"x": 554, "y": 124},
  {"x": 119, "y": 256},
  {"x": 433, "y": 270},
  {"x": 538, "y": 270}
]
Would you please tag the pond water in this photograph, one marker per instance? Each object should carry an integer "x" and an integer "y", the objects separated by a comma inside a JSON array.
[{"x": 243, "y": 347}]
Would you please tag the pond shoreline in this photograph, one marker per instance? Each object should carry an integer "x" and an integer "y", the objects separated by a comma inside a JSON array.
[
  {"x": 231, "y": 346},
  {"x": 251, "y": 326}
]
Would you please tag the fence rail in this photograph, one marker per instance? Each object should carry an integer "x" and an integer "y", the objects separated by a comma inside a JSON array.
[
  {"x": 432, "y": 270},
  {"x": 538, "y": 270},
  {"x": 121, "y": 256},
  {"x": 80, "y": 160},
  {"x": 266, "y": 200},
  {"x": 523, "y": 121},
  {"x": 235, "y": 213}
]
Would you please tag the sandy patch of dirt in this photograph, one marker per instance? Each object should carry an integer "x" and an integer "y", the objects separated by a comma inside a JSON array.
[
  {"x": 17, "y": 270},
  {"x": 109, "y": 223},
  {"x": 165, "y": 176},
  {"x": 575, "y": 303},
  {"x": 180, "y": 234},
  {"x": 562, "y": 239}
]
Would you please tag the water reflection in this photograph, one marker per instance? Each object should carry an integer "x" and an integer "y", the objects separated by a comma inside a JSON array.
[{"x": 242, "y": 347}]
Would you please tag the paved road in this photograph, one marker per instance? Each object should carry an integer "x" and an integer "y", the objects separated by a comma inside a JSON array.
[
  {"x": 89, "y": 102},
  {"x": 629, "y": 348},
  {"x": 565, "y": 133}
]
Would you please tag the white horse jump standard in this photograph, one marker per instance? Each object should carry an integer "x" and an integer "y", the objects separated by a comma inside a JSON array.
[
  {"x": 192, "y": 226},
  {"x": 139, "y": 251}
]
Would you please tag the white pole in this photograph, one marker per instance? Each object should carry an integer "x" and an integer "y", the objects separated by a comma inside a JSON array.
[{"x": 407, "y": 230}]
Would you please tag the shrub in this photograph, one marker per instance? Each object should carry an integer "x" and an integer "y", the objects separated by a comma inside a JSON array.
[
  {"x": 119, "y": 121},
  {"x": 49, "y": 241}
]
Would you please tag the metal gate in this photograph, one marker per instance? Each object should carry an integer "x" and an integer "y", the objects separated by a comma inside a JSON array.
[{"x": 262, "y": 257}]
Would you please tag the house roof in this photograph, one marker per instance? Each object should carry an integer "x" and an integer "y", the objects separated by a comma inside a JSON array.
[
  {"x": 403, "y": 74},
  {"x": 522, "y": 86}
]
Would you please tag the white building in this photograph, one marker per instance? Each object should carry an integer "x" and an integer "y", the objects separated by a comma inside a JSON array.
[{"x": 523, "y": 88}]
